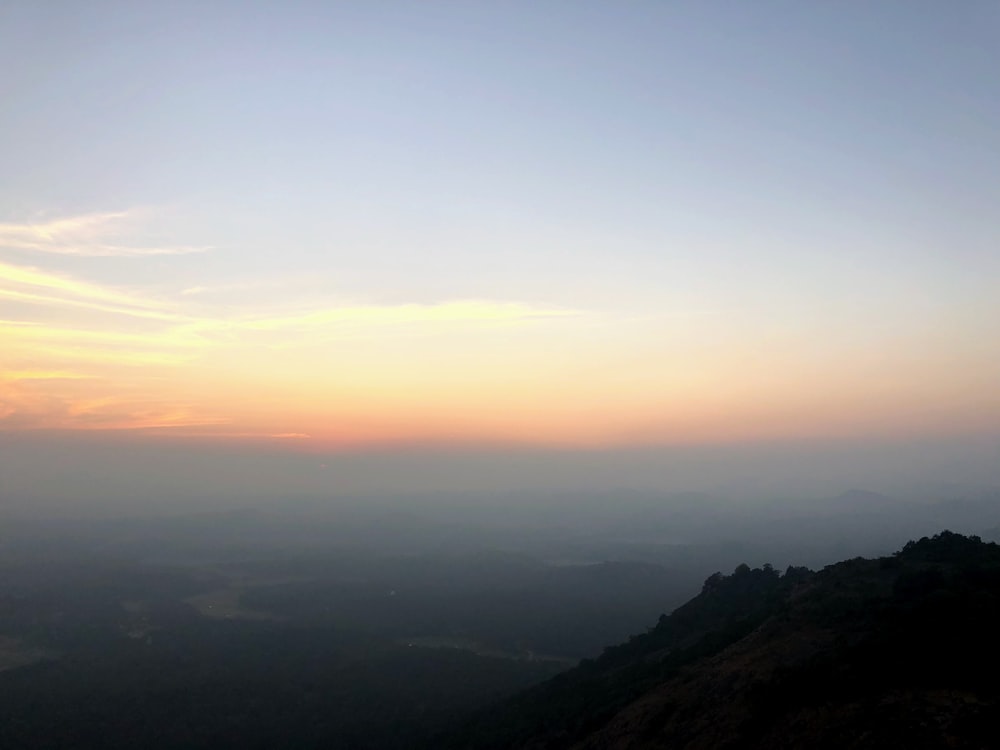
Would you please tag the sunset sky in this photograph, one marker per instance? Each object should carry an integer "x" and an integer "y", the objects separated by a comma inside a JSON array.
[{"x": 574, "y": 225}]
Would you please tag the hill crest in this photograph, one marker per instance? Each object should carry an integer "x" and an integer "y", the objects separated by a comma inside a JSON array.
[{"x": 865, "y": 653}]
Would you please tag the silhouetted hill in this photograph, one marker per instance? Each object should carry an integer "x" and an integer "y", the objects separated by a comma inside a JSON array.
[{"x": 900, "y": 651}]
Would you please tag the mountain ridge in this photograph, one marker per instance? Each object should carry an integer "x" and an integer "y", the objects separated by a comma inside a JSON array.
[{"x": 865, "y": 653}]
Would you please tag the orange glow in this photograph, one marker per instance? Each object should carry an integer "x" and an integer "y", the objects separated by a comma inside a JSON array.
[{"x": 80, "y": 356}]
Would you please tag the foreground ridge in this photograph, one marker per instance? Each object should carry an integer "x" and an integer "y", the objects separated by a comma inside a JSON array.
[{"x": 899, "y": 651}]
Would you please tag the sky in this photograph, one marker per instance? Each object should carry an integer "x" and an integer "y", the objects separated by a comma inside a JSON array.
[{"x": 320, "y": 229}]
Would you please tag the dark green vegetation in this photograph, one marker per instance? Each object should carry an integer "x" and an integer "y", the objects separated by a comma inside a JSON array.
[
  {"x": 223, "y": 684},
  {"x": 315, "y": 650},
  {"x": 900, "y": 651}
]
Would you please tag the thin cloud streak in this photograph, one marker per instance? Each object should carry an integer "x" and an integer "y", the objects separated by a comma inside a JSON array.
[
  {"x": 89, "y": 235},
  {"x": 85, "y": 294},
  {"x": 76, "y": 292},
  {"x": 24, "y": 407},
  {"x": 172, "y": 338},
  {"x": 41, "y": 299}
]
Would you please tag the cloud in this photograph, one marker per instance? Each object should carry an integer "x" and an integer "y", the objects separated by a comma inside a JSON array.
[
  {"x": 89, "y": 235},
  {"x": 112, "y": 414},
  {"x": 173, "y": 338},
  {"x": 53, "y": 348},
  {"x": 211, "y": 430},
  {"x": 66, "y": 291},
  {"x": 177, "y": 333},
  {"x": 66, "y": 368},
  {"x": 25, "y": 407}
]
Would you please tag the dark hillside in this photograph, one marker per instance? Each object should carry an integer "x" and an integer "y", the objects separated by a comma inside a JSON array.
[{"x": 899, "y": 651}]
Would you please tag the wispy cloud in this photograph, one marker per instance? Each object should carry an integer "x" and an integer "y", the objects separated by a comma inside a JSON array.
[
  {"x": 80, "y": 354},
  {"x": 173, "y": 338},
  {"x": 34, "y": 403},
  {"x": 177, "y": 331},
  {"x": 19, "y": 323},
  {"x": 111, "y": 414},
  {"x": 66, "y": 291},
  {"x": 91, "y": 235}
]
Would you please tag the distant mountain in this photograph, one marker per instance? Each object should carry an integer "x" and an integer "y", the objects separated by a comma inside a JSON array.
[{"x": 899, "y": 651}]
